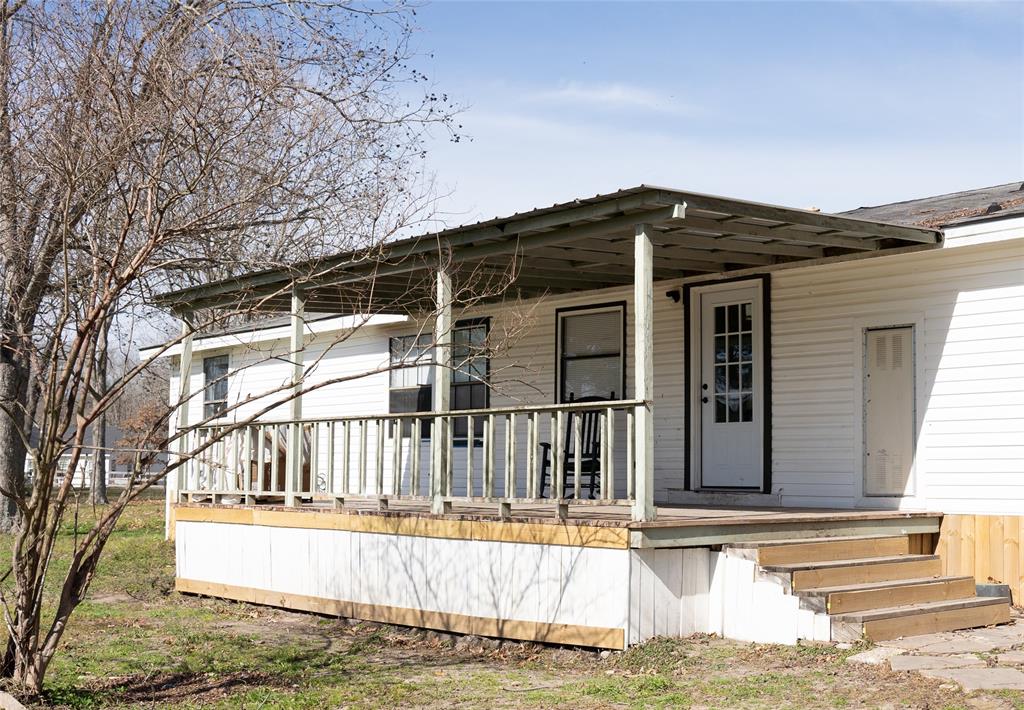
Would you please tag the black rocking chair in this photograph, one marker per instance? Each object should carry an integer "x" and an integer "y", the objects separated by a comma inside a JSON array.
[{"x": 590, "y": 454}]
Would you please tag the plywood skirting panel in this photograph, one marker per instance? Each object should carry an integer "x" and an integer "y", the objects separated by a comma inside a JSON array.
[
  {"x": 505, "y": 589},
  {"x": 986, "y": 547},
  {"x": 567, "y": 634}
]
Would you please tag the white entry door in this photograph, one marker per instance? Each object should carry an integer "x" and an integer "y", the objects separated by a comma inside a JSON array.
[{"x": 730, "y": 382}]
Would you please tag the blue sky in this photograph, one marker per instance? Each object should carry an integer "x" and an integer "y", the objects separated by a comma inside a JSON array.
[{"x": 828, "y": 104}]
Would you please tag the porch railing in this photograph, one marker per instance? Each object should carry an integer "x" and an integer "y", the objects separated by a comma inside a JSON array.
[{"x": 493, "y": 455}]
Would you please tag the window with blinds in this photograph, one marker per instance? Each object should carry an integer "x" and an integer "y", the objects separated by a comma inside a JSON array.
[{"x": 591, "y": 353}]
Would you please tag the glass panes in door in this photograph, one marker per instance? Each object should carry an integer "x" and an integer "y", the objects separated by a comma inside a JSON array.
[{"x": 734, "y": 363}]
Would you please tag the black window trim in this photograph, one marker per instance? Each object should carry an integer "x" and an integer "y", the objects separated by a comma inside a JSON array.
[{"x": 560, "y": 314}]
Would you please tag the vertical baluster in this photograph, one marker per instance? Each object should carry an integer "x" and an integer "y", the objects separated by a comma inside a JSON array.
[
  {"x": 396, "y": 456},
  {"x": 378, "y": 486},
  {"x": 211, "y": 454},
  {"x": 432, "y": 471},
  {"x": 449, "y": 457},
  {"x": 208, "y": 454},
  {"x": 531, "y": 455},
  {"x": 577, "y": 458},
  {"x": 208, "y": 459},
  {"x": 557, "y": 455},
  {"x": 608, "y": 451},
  {"x": 329, "y": 481},
  {"x": 314, "y": 458},
  {"x": 201, "y": 463},
  {"x": 275, "y": 444},
  {"x": 222, "y": 459},
  {"x": 414, "y": 444},
  {"x": 247, "y": 459},
  {"x": 346, "y": 455},
  {"x": 488, "y": 461},
  {"x": 469, "y": 457},
  {"x": 235, "y": 460},
  {"x": 362, "y": 473},
  {"x": 261, "y": 459},
  {"x": 197, "y": 467},
  {"x": 630, "y": 446},
  {"x": 190, "y": 462},
  {"x": 513, "y": 453},
  {"x": 508, "y": 459},
  {"x": 230, "y": 456},
  {"x": 225, "y": 458}
]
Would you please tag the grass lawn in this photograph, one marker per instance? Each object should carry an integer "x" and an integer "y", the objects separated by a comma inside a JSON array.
[{"x": 136, "y": 643}]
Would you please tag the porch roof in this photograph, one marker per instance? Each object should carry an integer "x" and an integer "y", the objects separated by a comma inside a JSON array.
[{"x": 579, "y": 245}]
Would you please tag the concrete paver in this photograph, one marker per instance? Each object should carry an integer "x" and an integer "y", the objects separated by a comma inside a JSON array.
[
  {"x": 980, "y": 678},
  {"x": 923, "y": 663}
]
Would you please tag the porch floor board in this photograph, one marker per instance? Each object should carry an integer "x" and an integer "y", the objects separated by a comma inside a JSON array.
[{"x": 668, "y": 516}]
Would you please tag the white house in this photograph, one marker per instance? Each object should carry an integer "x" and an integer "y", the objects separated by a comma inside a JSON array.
[{"x": 673, "y": 412}]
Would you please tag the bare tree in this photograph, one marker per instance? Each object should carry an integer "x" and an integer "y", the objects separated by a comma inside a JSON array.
[{"x": 145, "y": 146}]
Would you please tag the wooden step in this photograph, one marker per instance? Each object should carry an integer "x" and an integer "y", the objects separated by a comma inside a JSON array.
[
  {"x": 890, "y": 593},
  {"x": 810, "y": 575},
  {"x": 778, "y": 552},
  {"x": 927, "y": 618}
]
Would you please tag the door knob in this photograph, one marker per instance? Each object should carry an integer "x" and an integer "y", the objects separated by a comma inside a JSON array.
[{"x": 704, "y": 400}]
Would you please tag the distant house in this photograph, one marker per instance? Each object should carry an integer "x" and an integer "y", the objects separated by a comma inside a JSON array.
[
  {"x": 118, "y": 463},
  {"x": 717, "y": 416}
]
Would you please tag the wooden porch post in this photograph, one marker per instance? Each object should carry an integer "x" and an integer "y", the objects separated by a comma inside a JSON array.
[
  {"x": 643, "y": 371},
  {"x": 174, "y": 484},
  {"x": 442, "y": 391},
  {"x": 293, "y": 469}
]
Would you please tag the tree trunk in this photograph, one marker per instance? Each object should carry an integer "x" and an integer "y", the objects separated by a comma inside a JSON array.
[
  {"x": 13, "y": 389},
  {"x": 98, "y": 484}
]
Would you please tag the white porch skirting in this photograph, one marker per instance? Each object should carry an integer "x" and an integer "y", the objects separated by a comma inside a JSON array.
[{"x": 598, "y": 596}]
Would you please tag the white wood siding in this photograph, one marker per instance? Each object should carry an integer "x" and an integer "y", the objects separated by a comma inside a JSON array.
[{"x": 967, "y": 305}]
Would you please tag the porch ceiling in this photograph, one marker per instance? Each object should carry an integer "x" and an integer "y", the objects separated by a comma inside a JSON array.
[{"x": 580, "y": 245}]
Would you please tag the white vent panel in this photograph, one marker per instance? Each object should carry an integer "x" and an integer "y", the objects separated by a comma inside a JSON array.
[{"x": 888, "y": 412}]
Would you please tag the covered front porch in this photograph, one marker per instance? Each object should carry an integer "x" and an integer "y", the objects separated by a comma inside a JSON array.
[
  {"x": 537, "y": 516},
  {"x": 537, "y": 459}
]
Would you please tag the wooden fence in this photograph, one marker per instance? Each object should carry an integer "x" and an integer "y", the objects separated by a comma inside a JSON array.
[{"x": 988, "y": 547}]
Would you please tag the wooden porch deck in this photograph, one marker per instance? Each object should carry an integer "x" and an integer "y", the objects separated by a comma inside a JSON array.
[{"x": 675, "y": 526}]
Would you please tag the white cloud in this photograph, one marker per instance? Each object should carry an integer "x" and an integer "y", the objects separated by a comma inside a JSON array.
[{"x": 613, "y": 96}]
